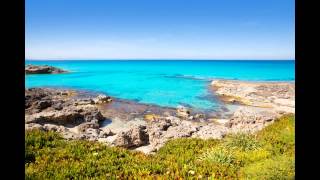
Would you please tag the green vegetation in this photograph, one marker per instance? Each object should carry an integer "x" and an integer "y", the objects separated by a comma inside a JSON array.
[{"x": 269, "y": 154}]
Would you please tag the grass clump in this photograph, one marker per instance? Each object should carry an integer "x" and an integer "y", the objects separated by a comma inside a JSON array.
[
  {"x": 244, "y": 142},
  {"x": 219, "y": 156},
  {"x": 269, "y": 154}
]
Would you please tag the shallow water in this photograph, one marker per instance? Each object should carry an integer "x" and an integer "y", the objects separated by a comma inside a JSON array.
[{"x": 163, "y": 83}]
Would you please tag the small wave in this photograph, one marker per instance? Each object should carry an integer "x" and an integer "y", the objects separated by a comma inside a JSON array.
[{"x": 190, "y": 77}]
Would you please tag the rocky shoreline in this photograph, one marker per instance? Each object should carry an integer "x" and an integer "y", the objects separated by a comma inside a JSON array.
[
  {"x": 45, "y": 69},
  {"x": 147, "y": 128}
]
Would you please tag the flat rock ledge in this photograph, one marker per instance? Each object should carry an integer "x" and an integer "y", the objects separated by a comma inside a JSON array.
[
  {"x": 45, "y": 69},
  {"x": 275, "y": 96}
]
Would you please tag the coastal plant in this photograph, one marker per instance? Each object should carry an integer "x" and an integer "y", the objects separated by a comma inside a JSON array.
[
  {"x": 279, "y": 137},
  {"x": 268, "y": 154},
  {"x": 279, "y": 167}
]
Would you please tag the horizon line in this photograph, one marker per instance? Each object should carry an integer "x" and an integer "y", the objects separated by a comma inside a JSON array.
[{"x": 151, "y": 59}]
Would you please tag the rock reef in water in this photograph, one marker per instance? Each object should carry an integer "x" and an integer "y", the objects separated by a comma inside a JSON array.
[{"x": 45, "y": 69}]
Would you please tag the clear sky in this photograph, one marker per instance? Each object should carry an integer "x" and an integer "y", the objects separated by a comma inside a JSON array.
[{"x": 160, "y": 29}]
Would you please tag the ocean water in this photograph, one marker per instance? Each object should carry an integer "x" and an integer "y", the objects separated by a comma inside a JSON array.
[{"x": 163, "y": 83}]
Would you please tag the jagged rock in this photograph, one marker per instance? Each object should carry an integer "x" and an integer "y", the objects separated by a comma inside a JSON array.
[
  {"x": 83, "y": 126},
  {"x": 44, "y": 104},
  {"x": 105, "y": 132},
  {"x": 134, "y": 137},
  {"x": 102, "y": 99},
  {"x": 54, "y": 110},
  {"x": 90, "y": 134},
  {"x": 83, "y": 102},
  {"x": 70, "y": 115},
  {"x": 58, "y": 106}
]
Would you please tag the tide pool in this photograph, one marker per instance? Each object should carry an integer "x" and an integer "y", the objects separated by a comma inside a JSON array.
[{"x": 164, "y": 83}]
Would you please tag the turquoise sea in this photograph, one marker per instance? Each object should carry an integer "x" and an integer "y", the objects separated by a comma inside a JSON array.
[{"x": 164, "y": 83}]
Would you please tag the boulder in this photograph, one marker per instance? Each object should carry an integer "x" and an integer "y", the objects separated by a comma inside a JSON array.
[
  {"x": 134, "y": 137},
  {"x": 183, "y": 112}
]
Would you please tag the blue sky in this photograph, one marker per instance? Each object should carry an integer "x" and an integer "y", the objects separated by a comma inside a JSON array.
[{"x": 160, "y": 29}]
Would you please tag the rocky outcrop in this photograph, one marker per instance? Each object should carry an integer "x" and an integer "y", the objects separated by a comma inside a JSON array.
[
  {"x": 250, "y": 119},
  {"x": 71, "y": 115},
  {"x": 45, "y": 69},
  {"x": 56, "y": 110}
]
